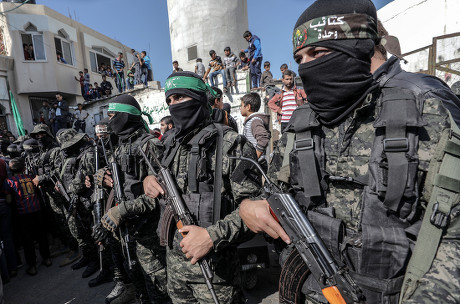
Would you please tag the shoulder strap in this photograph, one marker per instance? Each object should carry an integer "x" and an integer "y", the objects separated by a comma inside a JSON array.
[
  {"x": 217, "y": 189},
  {"x": 196, "y": 142},
  {"x": 444, "y": 195},
  {"x": 303, "y": 120},
  {"x": 399, "y": 111}
]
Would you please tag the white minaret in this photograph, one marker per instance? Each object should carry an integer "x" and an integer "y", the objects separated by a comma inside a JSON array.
[{"x": 196, "y": 27}]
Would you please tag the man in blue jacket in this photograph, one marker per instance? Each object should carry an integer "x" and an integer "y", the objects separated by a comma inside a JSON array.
[{"x": 254, "y": 51}]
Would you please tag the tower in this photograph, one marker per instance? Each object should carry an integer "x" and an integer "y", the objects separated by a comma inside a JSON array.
[{"x": 196, "y": 27}]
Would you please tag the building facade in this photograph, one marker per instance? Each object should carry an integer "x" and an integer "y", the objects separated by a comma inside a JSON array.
[{"x": 31, "y": 36}]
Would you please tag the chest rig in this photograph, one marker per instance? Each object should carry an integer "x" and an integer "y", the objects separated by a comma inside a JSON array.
[{"x": 378, "y": 252}]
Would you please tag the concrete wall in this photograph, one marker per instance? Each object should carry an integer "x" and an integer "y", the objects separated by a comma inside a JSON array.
[
  {"x": 208, "y": 24},
  {"x": 416, "y": 22}
]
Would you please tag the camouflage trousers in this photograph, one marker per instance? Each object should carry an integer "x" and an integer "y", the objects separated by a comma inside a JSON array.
[
  {"x": 152, "y": 259},
  {"x": 59, "y": 209},
  {"x": 441, "y": 283},
  {"x": 187, "y": 285},
  {"x": 80, "y": 225}
]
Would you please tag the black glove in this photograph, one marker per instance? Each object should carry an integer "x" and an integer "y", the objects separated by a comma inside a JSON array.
[{"x": 100, "y": 234}]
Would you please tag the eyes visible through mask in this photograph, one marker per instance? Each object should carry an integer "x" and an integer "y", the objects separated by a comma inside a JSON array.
[
  {"x": 311, "y": 53},
  {"x": 177, "y": 98}
]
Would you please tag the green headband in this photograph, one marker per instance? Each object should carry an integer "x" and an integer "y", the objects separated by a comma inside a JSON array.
[
  {"x": 126, "y": 108},
  {"x": 333, "y": 27},
  {"x": 189, "y": 83}
]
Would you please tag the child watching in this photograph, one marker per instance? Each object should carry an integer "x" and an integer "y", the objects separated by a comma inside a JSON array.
[
  {"x": 244, "y": 62},
  {"x": 130, "y": 80},
  {"x": 267, "y": 76},
  {"x": 199, "y": 67},
  {"x": 230, "y": 61},
  {"x": 22, "y": 192},
  {"x": 256, "y": 126}
]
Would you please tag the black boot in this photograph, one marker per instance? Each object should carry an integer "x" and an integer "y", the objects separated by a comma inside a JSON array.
[
  {"x": 121, "y": 293},
  {"x": 93, "y": 267},
  {"x": 104, "y": 276},
  {"x": 81, "y": 263}
]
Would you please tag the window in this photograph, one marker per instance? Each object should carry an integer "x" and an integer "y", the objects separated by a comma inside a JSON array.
[
  {"x": 33, "y": 46},
  {"x": 192, "y": 53},
  {"x": 99, "y": 56},
  {"x": 64, "y": 48}
]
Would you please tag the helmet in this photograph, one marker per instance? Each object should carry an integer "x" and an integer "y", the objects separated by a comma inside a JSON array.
[
  {"x": 30, "y": 145},
  {"x": 41, "y": 128}
]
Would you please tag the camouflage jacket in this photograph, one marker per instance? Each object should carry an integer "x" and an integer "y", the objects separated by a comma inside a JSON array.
[
  {"x": 48, "y": 163},
  {"x": 230, "y": 229}
]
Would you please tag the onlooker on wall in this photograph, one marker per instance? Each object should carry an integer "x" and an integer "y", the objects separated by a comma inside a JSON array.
[
  {"x": 80, "y": 118},
  {"x": 230, "y": 61},
  {"x": 288, "y": 100},
  {"x": 145, "y": 68},
  {"x": 136, "y": 66},
  {"x": 130, "y": 80},
  {"x": 81, "y": 79},
  {"x": 92, "y": 93},
  {"x": 45, "y": 113},
  {"x": 106, "y": 86},
  {"x": 217, "y": 68},
  {"x": 118, "y": 70},
  {"x": 267, "y": 76},
  {"x": 254, "y": 51},
  {"x": 244, "y": 62},
  {"x": 98, "y": 90},
  {"x": 86, "y": 80},
  {"x": 176, "y": 67},
  {"x": 199, "y": 67}
]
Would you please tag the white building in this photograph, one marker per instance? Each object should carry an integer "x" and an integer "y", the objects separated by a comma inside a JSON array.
[
  {"x": 196, "y": 27},
  {"x": 37, "y": 80}
]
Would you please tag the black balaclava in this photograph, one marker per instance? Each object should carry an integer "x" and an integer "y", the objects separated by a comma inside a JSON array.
[
  {"x": 337, "y": 83},
  {"x": 124, "y": 124},
  {"x": 45, "y": 141},
  {"x": 188, "y": 115}
]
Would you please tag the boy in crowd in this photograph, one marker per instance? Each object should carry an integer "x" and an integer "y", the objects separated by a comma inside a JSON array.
[
  {"x": 217, "y": 68},
  {"x": 22, "y": 192},
  {"x": 244, "y": 62},
  {"x": 176, "y": 67},
  {"x": 267, "y": 76},
  {"x": 256, "y": 126},
  {"x": 130, "y": 80},
  {"x": 284, "y": 67},
  {"x": 91, "y": 93},
  {"x": 106, "y": 86},
  {"x": 288, "y": 100},
  {"x": 230, "y": 62},
  {"x": 86, "y": 82},
  {"x": 98, "y": 89},
  {"x": 81, "y": 79},
  {"x": 199, "y": 67}
]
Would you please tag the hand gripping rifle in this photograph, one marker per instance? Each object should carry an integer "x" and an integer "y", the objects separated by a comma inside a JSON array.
[
  {"x": 72, "y": 201},
  {"x": 125, "y": 237},
  {"x": 336, "y": 284},
  {"x": 181, "y": 213}
]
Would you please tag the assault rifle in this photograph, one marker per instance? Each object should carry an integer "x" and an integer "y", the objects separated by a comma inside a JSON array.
[
  {"x": 181, "y": 213},
  {"x": 125, "y": 237},
  {"x": 31, "y": 169},
  {"x": 99, "y": 196},
  {"x": 72, "y": 201},
  {"x": 336, "y": 284}
]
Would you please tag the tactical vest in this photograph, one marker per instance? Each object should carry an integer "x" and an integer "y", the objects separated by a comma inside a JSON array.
[
  {"x": 204, "y": 197},
  {"x": 378, "y": 253}
]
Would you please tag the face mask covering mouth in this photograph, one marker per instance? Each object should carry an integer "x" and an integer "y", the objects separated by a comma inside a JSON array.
[
  {"x": 335, "y": 85},
  {"x": 187, "y": 116}
]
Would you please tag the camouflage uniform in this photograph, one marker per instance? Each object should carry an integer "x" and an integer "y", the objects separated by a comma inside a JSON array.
[
  {"x": 72, "y": 172},
  {"x": 149, "y": 253},
  {"x": 185, "y": 281},
  {"x": 347, "y": 150},
  {"x": 46, "y": 165}
]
